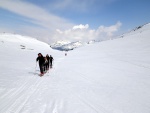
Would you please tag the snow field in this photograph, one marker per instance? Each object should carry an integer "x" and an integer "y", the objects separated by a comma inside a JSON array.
[{"x": 108, "y": 77}]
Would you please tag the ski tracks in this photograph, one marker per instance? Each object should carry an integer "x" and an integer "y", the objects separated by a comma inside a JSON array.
[
  {"x": 13, "y": 102},
  {"x": 96, "y": 107}
]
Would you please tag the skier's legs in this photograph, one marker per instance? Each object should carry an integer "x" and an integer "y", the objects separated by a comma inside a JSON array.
[
  {"x": 44, "y": 68},
  {"x": 41, "y": 68},
  {"x": 47, "y": 66},
  {"x": 50, "y": 63}
]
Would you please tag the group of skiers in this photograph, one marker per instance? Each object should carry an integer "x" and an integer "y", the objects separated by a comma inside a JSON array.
[{"x": 44, "y": 63}]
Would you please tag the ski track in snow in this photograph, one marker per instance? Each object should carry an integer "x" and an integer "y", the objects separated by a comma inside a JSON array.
[{"x": 20, "y": 101}]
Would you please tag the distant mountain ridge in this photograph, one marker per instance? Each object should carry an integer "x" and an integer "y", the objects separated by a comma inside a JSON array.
[{"x": 67, "y": 45}]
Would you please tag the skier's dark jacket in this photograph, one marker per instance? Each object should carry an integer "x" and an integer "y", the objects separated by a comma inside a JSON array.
[
  {"x": 41, "y": 60},
  {"x": 51, "y": 58}
]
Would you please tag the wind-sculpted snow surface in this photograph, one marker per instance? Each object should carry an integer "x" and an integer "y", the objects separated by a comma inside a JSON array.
[{"x": 108, "y": 77}]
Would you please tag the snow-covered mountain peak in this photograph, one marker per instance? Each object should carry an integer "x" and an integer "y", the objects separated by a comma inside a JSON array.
[
  {"x": 66, "y": 45},
  {"x": 63, "y": 42}
]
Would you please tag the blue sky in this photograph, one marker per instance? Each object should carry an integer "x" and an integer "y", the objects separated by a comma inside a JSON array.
[{"x": 52, "y": 20}]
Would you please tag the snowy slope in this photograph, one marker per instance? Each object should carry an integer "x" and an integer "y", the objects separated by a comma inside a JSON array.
[
  {"x": 108, "y": 77},
  {"x": 137, "y": 30}
]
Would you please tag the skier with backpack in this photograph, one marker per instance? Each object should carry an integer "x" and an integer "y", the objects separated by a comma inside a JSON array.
[
  {"x": 51, "y": 60},
  {"x": 48, "y": 61},
  {"x": 41, "y": 60}
]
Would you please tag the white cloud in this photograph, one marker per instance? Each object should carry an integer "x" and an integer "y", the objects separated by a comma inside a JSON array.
[
  {"x": 81, "y": 26},
  {"x": 79, "y": 5},
  {"x": 36, "y": 14},
  {"x": 46, "y": 23},
  {"x": 108, "y": 31},
  {"x": 52, "y": 28},
  {"x": 84, "y": 33}
]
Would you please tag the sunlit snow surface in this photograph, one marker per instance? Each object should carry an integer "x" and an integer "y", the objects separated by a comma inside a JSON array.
[{"x": 107, "y": 77}]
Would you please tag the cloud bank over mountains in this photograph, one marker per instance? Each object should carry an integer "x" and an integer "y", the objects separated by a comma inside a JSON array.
[
  {"x": 48, "y": 27},
  {"x": 84, "y": 33}
]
